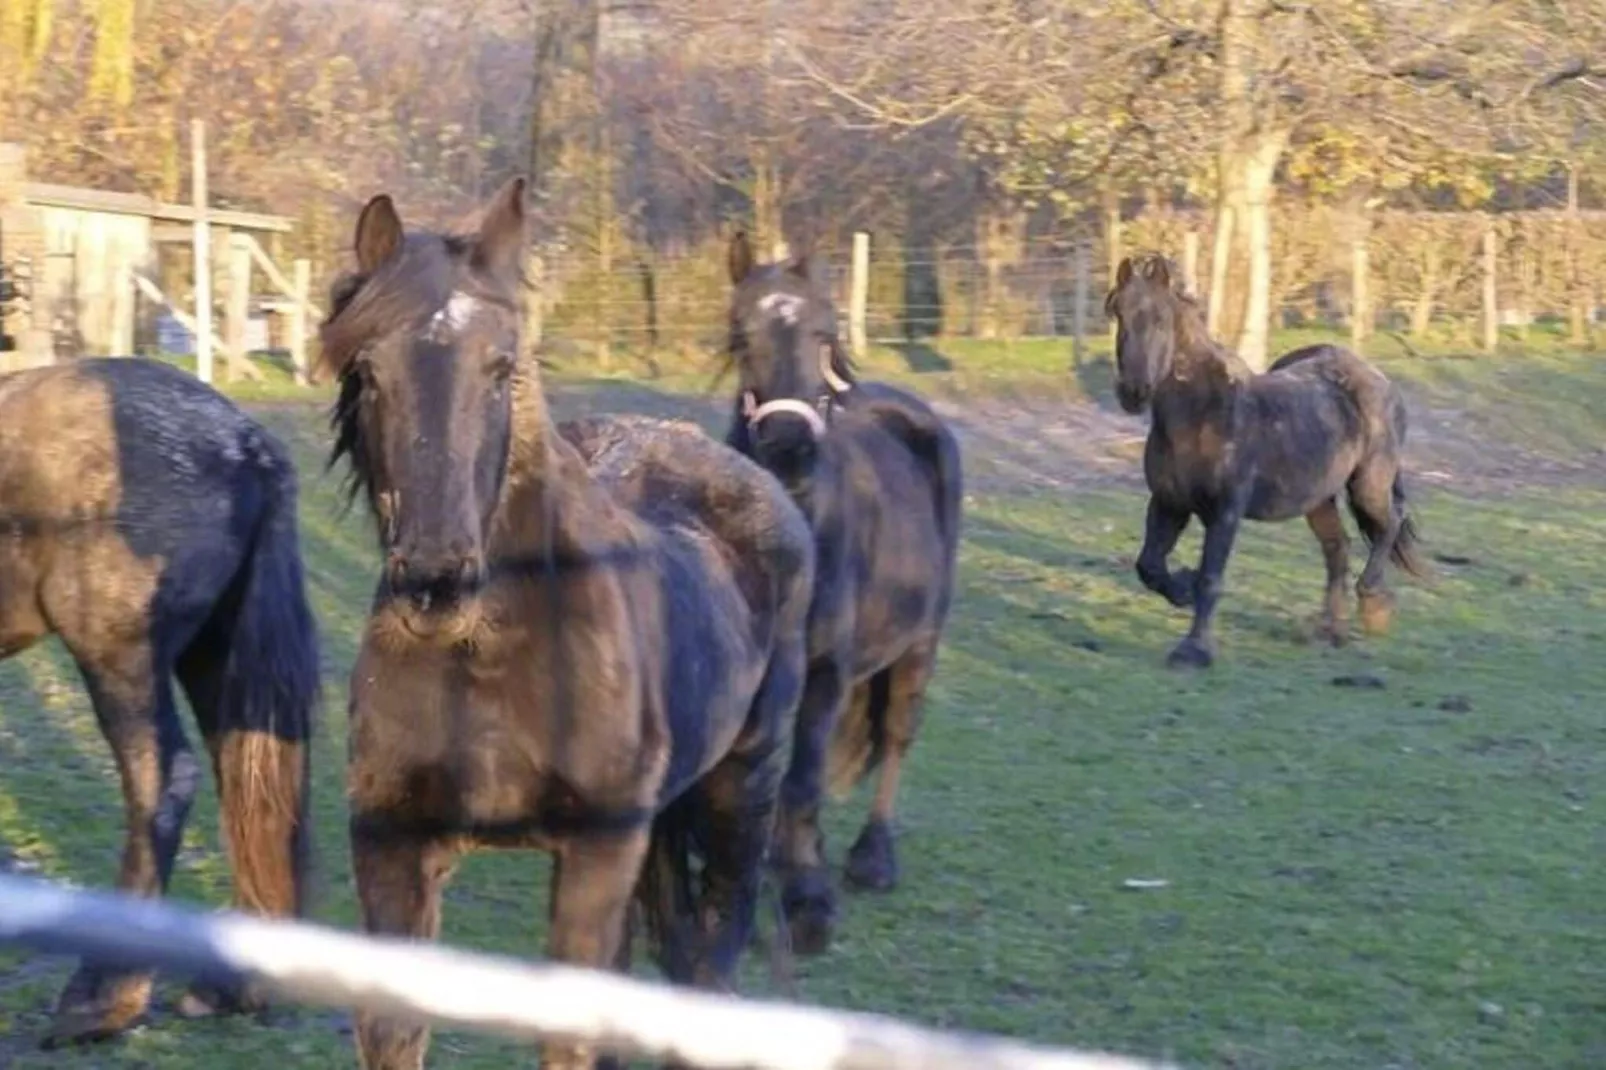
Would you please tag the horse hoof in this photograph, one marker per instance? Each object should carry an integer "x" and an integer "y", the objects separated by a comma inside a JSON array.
[
  {"x": 1377, "y": 613},
  {"x": 872, "y": 863},
  {"x": 809, "y": 903},
  {"x": 92, "y": 1010},
  {"x": 1334, "y": 633},
  {"x": 1189, "y": 654},
  {"x": 205, "y": 1000}
]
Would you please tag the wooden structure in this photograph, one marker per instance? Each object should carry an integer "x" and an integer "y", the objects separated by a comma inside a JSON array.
[{"x": 90, "y": 258}]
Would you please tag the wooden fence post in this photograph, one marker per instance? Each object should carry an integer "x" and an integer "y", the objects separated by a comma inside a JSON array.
[
  {"x": 1112, "y": 247},
  {"x": 203, "y": 252},
  {"x": 1360, "y": 312},
  {"x": 1190, "y": 261},
  {"x": 301, "y": 287},
  {"x": 237, "y": 308},
  {"x": 859, "y": 295},
  {"x": 1082, "y": 268},
  {"x": 1491, "y": 303}
]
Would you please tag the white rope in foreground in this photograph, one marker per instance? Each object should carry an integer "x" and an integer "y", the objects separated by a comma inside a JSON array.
[{"x": 492, "y": 994}]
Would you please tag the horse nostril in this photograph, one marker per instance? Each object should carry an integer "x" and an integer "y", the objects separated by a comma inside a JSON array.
[
  {"x": 396, "y": 569},
  {"x": 470, "y": 572}
]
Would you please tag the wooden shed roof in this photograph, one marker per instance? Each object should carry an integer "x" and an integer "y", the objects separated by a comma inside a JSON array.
[{"x": 93, "y": 200}]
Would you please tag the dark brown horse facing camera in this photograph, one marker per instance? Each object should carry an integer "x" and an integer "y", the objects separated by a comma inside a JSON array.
[
  {"x": 586, "y": 638},
  {"x": 1225, "y": 444},
  {"x": 878, "y": 475},
  {"x": 151, "y": 525}
]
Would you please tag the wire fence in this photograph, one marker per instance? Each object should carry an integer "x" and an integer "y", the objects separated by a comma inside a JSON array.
[
  {"x": 317, "y": 965},
  {"x": 1460, "y": 278}
]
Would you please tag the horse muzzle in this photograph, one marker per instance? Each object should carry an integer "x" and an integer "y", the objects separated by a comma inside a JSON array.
[{"x": 1133, "y": 399}]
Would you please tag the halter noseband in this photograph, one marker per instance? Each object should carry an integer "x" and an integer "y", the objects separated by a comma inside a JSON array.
[{"x": 814, "y": 415}]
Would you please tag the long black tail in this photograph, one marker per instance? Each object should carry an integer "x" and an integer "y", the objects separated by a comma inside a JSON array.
[
  {"x": 1407, "y": 550},
  {"x": 270, "y": 691},
  {"x": 666, "y": 890}
]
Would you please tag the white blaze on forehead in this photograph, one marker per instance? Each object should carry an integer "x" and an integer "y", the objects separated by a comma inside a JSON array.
[
  {"x": 453, "y": 316},
  {"x": 787, "y": 306}
]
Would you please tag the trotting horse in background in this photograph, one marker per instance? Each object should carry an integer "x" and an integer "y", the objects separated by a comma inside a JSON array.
[
  {"x": 585, "y": 638},
  {"x": 878, "y": 475},
  {"x": 1225, "y": 444},
  {"x": 151, "y": 525}
]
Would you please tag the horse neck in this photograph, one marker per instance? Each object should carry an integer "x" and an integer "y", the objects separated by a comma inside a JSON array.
[
  {"x": 1205, "y": 379},
  {"x": 550, "y": 504}
]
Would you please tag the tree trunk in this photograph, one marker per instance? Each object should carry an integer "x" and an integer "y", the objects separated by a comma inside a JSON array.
[
  {"x": 1427, "y": 297},
  {"x": 1240, "y": 269},
  {"x": 769, "y": 230},
  {"x": 1577, "y": 294}
]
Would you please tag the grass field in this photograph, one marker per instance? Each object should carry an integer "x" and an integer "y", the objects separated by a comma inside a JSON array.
[{"x": 1406, "y": 875}]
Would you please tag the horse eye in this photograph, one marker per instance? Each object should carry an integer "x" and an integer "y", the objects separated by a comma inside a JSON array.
[{"x": 502, "y": 365}]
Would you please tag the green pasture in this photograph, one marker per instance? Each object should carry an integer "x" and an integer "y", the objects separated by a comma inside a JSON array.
[{"x": 1388, "y": 855}]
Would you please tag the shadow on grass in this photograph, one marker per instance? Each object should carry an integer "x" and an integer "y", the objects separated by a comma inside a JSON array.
[
  {"x": 1096, "y": 379},
  {"x": 922, "y": 359}
]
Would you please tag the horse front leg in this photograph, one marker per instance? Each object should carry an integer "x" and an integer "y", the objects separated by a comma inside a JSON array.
[
  {"x": 400, "y": 881},
  {"x": 1194, "y": 651},
  {"x": 1162, "y": 527},
  {"x": 593, "y": 881}
]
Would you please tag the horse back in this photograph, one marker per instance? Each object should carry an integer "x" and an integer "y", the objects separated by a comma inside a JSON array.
[
  {"x": 896, "y": 521},
  {"x": 734, "y": 571},
  {"x": 129, "y": 485}
]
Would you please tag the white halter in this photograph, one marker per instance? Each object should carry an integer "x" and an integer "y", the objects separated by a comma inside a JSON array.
[{"x": 838, "y": 385}]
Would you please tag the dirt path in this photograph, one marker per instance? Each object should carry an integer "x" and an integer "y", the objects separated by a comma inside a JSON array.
[{"x": 1061, "y": 443}]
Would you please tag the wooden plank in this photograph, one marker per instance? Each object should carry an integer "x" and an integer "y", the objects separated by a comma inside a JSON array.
[
  {"x": 50, "y": 195},
  {"x": 275, "y": 276},
  {"x": 154, "y": 293},
  {"x": 201, "y": 245},
  {"x": 299, "y": 306},
  {"x": 500, "y": 995},
  {"x": 237, "y": 306}
]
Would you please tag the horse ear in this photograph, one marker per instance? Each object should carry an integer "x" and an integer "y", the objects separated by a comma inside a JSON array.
[
  {"x": 378, "y": 234},
  {"x": 803, "y": 266},
  {"x": 1123, "y": 273},
  {"x": 501, "y": 236},
  {"x": 740, "y": 257},
  {"x": 1157, "y": 270}
]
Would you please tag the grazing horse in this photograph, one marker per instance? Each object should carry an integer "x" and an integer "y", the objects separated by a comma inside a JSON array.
[
  {"x": 586, "y": 639},
  {"x": 1225, "y": 444},
  {"x": 151, "y": 525},
  {"x": 878, "y": 475}
]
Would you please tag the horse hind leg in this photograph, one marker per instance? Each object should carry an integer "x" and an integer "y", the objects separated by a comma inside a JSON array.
[
  {"x": 807, "y": 896},
  {"x": 872, "y": 862},
  {"x": 1328, "y": 528},
  {"x": 1371, "y": 499},
  {"x": 131, "y": 690}
]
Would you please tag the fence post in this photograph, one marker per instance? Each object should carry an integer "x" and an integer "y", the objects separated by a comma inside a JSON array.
[
  {"x": 859, "y": 294},
  {"x": 1113, "y": 250},
  {"x": 1082, "y": 269},
  {"x": 1491, "y": 304},
  {"x": 203, "y": 252},
  {"x": 1190, "y": 261},
  {"x": 1360, "y": 313},
  {"x": 301, "y": 284},
  {"x": 237, "y": 307},
  {"x": 122, "y": 325}
]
